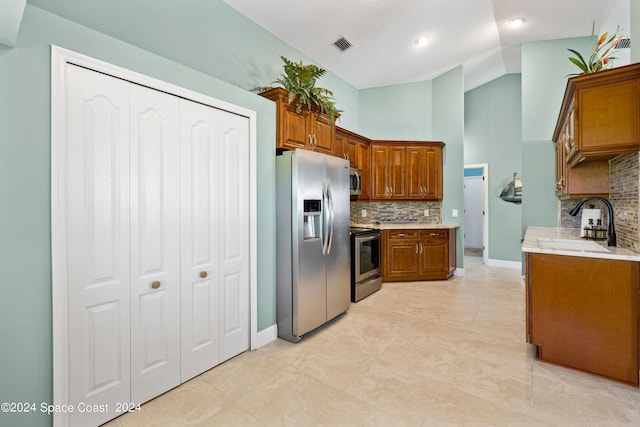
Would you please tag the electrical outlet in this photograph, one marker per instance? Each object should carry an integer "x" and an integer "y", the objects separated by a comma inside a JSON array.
[
  {"x": 364, "y": 213},
  {"x": 426, "y": 212},
  {"x": 454, "y": 213}
]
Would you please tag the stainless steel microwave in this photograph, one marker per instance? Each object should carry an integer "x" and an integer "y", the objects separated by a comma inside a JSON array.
[{"x": 355, "y": 181}]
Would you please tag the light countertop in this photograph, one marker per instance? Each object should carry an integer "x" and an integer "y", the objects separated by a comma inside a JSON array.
[
  {"x": 549, "y": 235},
  {"x": 406, "y": 226}
]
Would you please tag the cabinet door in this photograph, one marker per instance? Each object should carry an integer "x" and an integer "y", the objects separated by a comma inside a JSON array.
[
  {"x": 155, "y": 247},
  {"x": 199, "y": 194},
  {"x": 364, "y": 164},
  {"x": 401, "y": 261},
  {"x": 95, "y": 183},
  {"x": 296, "y": 132},
  {"x": 322, "y": 134},
  {"x": 431, "y": 174},
  {"x": 351, "y": 150},
  {"x": 560, "y": 168},
  {"x": 608, "y": 115},
  {"x": 379, "y": 167},
  {"x": 397, "y": 172},
  {"x": 415, "y": 180},
  {"x": 434, "y": 255}
]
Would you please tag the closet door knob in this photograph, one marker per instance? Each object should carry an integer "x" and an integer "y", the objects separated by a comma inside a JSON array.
[
  {"x": 155, "y": 284},
  {"x": 203, "y": 274}
]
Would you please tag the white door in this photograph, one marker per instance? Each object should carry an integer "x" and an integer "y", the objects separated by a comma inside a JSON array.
[
  {"x": 200, "y": 218},
  {"x": 234, "y": 232},
  {"x": 94, "y": 184},
  {"x": 473, "y": 211},
  {"x": 155, "y": 243},
  {"x": 123, "y": 286}
]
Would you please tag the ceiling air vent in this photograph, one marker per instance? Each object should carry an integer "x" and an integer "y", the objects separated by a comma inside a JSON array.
[
  {"x": 624, "y": 43},
  {"x": 342, "y": 44}
]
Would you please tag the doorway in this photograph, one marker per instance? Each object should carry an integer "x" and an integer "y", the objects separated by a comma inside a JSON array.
[{"x": 476, "y": 211}]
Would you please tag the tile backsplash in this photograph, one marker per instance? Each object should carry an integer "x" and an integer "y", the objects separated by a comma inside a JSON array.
[
  {"x": 624, "y": 183},
  {"x": 375, "y": 210}
]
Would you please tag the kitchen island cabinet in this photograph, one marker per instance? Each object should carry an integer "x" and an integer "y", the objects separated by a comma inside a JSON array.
[
  {"x": 582, "y": 308},
  {"x": 418, "y": 254}
]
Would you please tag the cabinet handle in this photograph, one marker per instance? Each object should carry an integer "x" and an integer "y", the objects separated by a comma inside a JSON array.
[
  {"x": 203, "y": 274},
  {"x": 310, "y": 144},
  {"x": 417, "y": 249},
  {"x": 401, "y": 234},
  {"x": 420, "y": 247},
  {"x": 315, "y": 141},
  {"x": 155, "y": 284}
]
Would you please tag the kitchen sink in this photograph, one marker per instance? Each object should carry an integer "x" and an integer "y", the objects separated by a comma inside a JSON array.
[{"x": 570, "y": 245}]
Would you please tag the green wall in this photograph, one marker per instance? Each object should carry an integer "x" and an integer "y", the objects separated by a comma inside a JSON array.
[
  {"x": 25, "y": 271},
  {"x": 448, "y": 126},
  {"x": 427, "y": 110},
  {"x": 635, "y": 30},
  {"x": 493, "y": 135},
  {"x": 217, "y": 41},
  {"x": 399, "y": 112},
  {"x": 545, "y": 67}
]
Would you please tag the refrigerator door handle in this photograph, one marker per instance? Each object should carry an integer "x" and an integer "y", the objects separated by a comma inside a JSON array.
[
  {"x": 324, "y": 228},
  {"x": 331, "y": 217}
]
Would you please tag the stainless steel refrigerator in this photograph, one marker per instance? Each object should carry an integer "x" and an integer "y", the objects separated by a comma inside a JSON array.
[{"x": 312, "y": 241}]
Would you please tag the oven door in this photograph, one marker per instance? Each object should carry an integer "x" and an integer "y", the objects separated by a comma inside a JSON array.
[{"x": 367, "y": 262}]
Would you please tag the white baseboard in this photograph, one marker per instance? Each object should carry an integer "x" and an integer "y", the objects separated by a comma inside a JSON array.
[
  {"x": 265, "y": 336},
  {"x": 504, "y": 264},
  {"x": 458, "y": 272}
]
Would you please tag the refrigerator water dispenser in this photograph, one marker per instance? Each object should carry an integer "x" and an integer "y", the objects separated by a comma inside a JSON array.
[{"x": 312, "y": 217}]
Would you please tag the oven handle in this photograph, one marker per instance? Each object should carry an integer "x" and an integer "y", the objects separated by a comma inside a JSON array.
[{"x": 368, "y": 238}]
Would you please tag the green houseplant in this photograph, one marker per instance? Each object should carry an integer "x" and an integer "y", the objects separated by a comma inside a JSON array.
[
  {"x": 300, "y": 80},
  {"x": 601, "y": 58}
]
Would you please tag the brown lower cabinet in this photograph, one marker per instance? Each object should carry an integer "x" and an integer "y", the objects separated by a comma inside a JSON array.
[
  {"x": 582, "y": 313},
  {"x": 418, "y": 254}
]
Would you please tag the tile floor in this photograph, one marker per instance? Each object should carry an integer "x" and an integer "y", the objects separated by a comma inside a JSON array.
[{"x": 414, "y": 354}]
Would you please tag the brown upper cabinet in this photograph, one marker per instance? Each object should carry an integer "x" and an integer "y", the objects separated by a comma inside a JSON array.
[
  {"x": 308, "y": 130},
  {"x": 600, "y": 115},
  {"x": 356, "y": 149},
  {"x": 406, "y": 170},
  {"x": 583, "y": 180}
]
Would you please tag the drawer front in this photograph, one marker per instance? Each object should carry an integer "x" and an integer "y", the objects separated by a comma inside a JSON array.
[
  {"x": 434, "y": 234},
  {"x": 402, "y": 234}
]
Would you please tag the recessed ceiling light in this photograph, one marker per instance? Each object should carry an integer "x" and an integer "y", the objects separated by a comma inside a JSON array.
[
  {"x": 421, "y": 41},
  {"x": 516, "y": 22}
]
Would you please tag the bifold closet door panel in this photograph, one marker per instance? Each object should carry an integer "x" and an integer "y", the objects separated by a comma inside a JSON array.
[
  {"x": 200, "y": 182},
  {"x": 94, "y": 185},
  {"x": 155, "y": 243},
  {"x": 234, "y": 234}
]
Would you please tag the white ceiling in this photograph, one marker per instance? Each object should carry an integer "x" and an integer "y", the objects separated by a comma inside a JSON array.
[{"x": 472, "y": 33}]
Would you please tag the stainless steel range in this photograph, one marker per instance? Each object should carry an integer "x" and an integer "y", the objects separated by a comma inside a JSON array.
[{"x": 366, "y": 260}]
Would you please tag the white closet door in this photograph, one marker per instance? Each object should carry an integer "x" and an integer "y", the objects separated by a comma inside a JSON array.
[
  {"x": 95, "y": 178},
  {"x": 199, "y": 200},
  {"x": 155, "y": 243},
  {"x": 234, "y": 233}
]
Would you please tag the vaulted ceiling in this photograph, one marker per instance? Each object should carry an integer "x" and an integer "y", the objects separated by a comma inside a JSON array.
[
  {"x": 382, "y": 33},
  {"x": 474, "y": 33}
]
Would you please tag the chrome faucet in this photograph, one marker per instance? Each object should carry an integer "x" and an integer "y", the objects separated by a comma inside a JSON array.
[{"x": 611, "y": 233}]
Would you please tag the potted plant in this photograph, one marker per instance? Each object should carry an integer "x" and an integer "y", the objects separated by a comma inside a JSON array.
[
  {"x": 300, "y": 81},
  {"x": 600, "y": 59}
]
